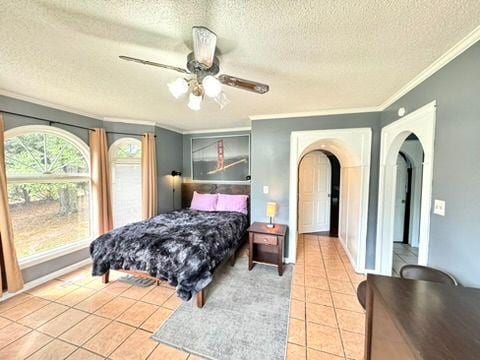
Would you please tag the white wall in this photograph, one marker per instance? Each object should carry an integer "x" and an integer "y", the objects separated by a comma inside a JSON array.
[
  {"x": 352, "y": 147},
  {"x": 350, "y": 209}
]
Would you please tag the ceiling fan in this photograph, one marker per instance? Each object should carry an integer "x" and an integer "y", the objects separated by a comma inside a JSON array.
[{"x": 201, "y": 73}]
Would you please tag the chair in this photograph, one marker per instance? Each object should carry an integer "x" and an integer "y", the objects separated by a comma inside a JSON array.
[
  {"x": 419, "y": 272},
  {"x": 362, "y": 293}
]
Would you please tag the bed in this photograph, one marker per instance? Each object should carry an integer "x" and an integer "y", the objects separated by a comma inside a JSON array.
[{"x": 182, "y": 247}]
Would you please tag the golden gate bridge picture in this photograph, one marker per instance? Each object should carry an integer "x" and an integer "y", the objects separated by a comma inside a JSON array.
[{"x": 221, "y": 158}]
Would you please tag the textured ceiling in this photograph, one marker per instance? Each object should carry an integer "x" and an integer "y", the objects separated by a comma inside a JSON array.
[{"x": 314, "y": 54}]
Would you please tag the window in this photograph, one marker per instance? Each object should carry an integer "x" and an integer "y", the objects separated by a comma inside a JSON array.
[
  {"x": 48, "y": 189},
  {"x": 126, "y": 165}
]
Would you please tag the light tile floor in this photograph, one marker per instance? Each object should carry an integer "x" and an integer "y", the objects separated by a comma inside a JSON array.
[
  {"x": 403, "y": 254},
  {"x": 326, "y": 320},
  {"x": 77, "y": 317}
]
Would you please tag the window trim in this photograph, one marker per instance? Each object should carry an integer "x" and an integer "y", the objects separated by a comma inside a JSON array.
[
  {"x": 44, "y": 256},
  {"x": 84, "y": 149},
  {"x": 49, "y": 178},
  {"x": 119, "y": 142},
  {"x": 74, "y": 139},
  {"x": 112, "y": 161}
]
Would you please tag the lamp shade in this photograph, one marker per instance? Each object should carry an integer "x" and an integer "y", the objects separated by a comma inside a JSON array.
[
  {"x": 178, "y": 87},
  {"x": 271, "y": 209},
  {"x": 194, "y": 102},
  {"x": 211, "y": 86}
]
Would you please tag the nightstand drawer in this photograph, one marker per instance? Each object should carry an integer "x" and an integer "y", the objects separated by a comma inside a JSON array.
[{"x": 265, "y": 239}]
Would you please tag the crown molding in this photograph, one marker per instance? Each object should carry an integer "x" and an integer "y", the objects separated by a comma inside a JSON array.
[
  {"x": 129, "y": 121},
  {"x": 245, "y": 128},
  {"x": 443, "y": 60},
  {"x": 55, "y": 106},
  {"x": 315, "y": 113},
  {"x": 48, "y": 104},
  {"x": 143, "y": 122}
]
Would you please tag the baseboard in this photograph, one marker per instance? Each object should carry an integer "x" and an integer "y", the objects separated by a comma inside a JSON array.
[
  {"x": 48, "y": 277},
  {"x": 348, "y": 254}
]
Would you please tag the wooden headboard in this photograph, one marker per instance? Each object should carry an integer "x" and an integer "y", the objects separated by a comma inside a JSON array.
[{"x": 207, "y": 188}]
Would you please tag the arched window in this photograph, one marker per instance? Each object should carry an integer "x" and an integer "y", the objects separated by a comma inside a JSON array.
[
  {"x": 48, "y": 189},
  {"x": 126, "y": 172}
]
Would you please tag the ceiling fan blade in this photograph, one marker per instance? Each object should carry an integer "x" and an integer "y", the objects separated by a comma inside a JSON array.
[
  {"x": 151, "y": 63},
  {"x": 243, "y": 84},
  {"x": 204, "y": 44}
]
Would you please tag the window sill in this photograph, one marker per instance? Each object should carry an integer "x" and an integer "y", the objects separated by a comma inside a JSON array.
[{"x": 36, "y": 259}]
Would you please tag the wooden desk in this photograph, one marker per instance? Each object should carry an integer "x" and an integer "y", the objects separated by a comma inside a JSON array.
[
  {"x": 410, "y": 319},
  {"x": 266, "y": 245}
]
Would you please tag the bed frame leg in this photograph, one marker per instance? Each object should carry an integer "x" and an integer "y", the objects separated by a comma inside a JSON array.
[
  {"x": 201, "y": 298},
  {"x": 105, "y": 277}
]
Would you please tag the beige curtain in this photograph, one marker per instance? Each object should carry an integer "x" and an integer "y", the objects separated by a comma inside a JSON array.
[
  {"x": 149, "y": 176},
  {"x": 101, "y": 180},
  {"x": 11, "y": 276}
]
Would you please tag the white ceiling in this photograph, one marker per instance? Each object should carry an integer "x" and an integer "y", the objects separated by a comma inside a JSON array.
[{"x": 315, "y": 55}]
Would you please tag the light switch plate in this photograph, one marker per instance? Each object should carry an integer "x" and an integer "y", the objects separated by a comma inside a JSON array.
[
  {"x": 265, "y": 189},
  {"x": 439, "y": 207}
]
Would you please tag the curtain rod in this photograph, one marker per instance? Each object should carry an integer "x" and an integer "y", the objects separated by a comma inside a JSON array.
[{"x": 51, "y": 122}]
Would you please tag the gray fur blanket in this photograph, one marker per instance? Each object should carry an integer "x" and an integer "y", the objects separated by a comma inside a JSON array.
[{"x": 182, "y": 247}]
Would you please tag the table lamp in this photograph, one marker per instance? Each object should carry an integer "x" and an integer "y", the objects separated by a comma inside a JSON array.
[{"x": 271, "y": 212}]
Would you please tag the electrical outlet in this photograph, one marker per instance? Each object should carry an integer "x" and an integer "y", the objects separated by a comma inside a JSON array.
[
  {"x": 265, "y": 189},
  {"x": 439, "y": 207}
]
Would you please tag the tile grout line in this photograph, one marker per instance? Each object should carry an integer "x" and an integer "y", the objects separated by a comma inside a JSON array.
[
  {"x": 354, "y": 286},
  {"x": 52, "y": 338},
  {"x": 115, "y": 295},
  {"x": 334, "y": 307}
]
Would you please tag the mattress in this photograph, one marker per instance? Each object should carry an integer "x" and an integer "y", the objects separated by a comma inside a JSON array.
[{"x": 182, "y": 247}]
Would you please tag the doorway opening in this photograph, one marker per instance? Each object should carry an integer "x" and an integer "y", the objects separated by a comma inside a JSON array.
[
  {"x": 421, "y": 123},
  {"x": 408, "y": 195},
  {"x": 319, "y": 193},
  {"x": 352, "y": 149}
]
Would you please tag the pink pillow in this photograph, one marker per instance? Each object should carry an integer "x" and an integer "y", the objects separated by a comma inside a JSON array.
[
  {"x": 204, "y": 202},
  {"x": 236, "y": 203}
]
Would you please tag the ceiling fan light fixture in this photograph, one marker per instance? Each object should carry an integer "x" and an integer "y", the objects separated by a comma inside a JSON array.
[
  {"x": 194, "y": 102},
  {"x": 178, "y": 87},
  {"x": 211, "y": 86},
  {"x": 201, "y": 76},
  {"x": 222, "y": 100},
  {"x": 204, "y": 43}
]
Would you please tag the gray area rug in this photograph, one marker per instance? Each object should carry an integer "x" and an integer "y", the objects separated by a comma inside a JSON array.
[{"x": 245, "y": 316}]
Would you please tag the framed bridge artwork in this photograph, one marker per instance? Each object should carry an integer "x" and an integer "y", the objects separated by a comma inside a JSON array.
[{"x": 221, "y": 158}]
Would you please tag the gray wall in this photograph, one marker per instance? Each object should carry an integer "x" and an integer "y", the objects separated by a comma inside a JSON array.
[
  {"x": 271, "y": 163},
  {"x": 187, "y": 148},
  {"x": 169, "y": 156},
  {"x": 127, "y": 128},
  {"x": 455, "y": 238}
]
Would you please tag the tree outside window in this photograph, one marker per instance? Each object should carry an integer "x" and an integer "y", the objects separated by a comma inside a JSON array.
[{"x": 49, "y": 191}]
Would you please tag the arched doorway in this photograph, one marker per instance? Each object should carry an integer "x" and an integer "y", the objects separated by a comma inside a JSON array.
[
  {"x": 408, "y": 195},
  {"x": 314, "y": 193},
  {"x": 352, "y": 149},
  {"x": 421, "y": 123}
]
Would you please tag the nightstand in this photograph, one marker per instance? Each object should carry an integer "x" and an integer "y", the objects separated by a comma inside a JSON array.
[{"x": 266, "y": 245}]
